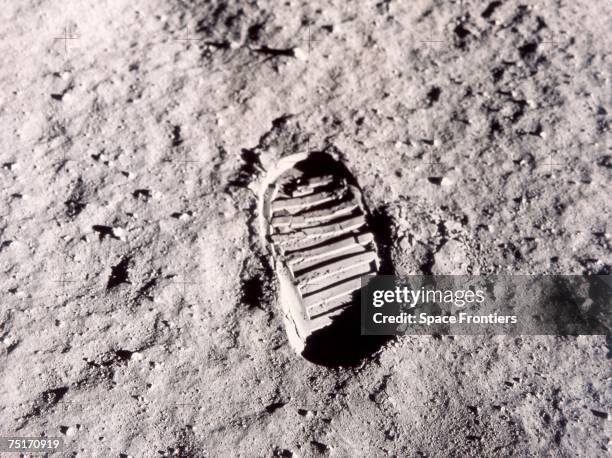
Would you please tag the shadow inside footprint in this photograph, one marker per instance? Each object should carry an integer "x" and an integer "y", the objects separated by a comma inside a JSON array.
[{"x": 341, "y": 344}]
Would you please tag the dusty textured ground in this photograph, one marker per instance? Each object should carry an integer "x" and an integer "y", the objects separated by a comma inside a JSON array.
[{"x": 137, "y": 313}]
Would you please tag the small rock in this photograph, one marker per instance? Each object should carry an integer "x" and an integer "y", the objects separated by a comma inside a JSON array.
[
  {"x": 306, "y": 413},
  {"x": 120, "y": 233},
  {"x": 300, "y": 54}
]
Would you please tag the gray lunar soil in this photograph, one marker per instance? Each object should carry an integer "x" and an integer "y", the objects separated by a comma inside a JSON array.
[{"x": 138, "y": 310}]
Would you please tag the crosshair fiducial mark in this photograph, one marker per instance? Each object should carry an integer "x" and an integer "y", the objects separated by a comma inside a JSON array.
[
  {"x": 63, "y": 280},
  {"x": 184, "y": 161},
  {"x": 187, "y": 39},
  {"x": 309, "y": 40},
  {"x": 550, "y": 163},
  {"x": 181, "y": 406},
  {"x": 183, "y": 403},
  {"x": 183, "y": 284},
  {"x": 66, "y": 38},
  {"x": 433, "y": 161},
  {"x": 550, "y": 41}
]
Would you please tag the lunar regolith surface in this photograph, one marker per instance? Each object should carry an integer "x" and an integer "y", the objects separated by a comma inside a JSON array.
[{"x": 139, "y": 309}]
